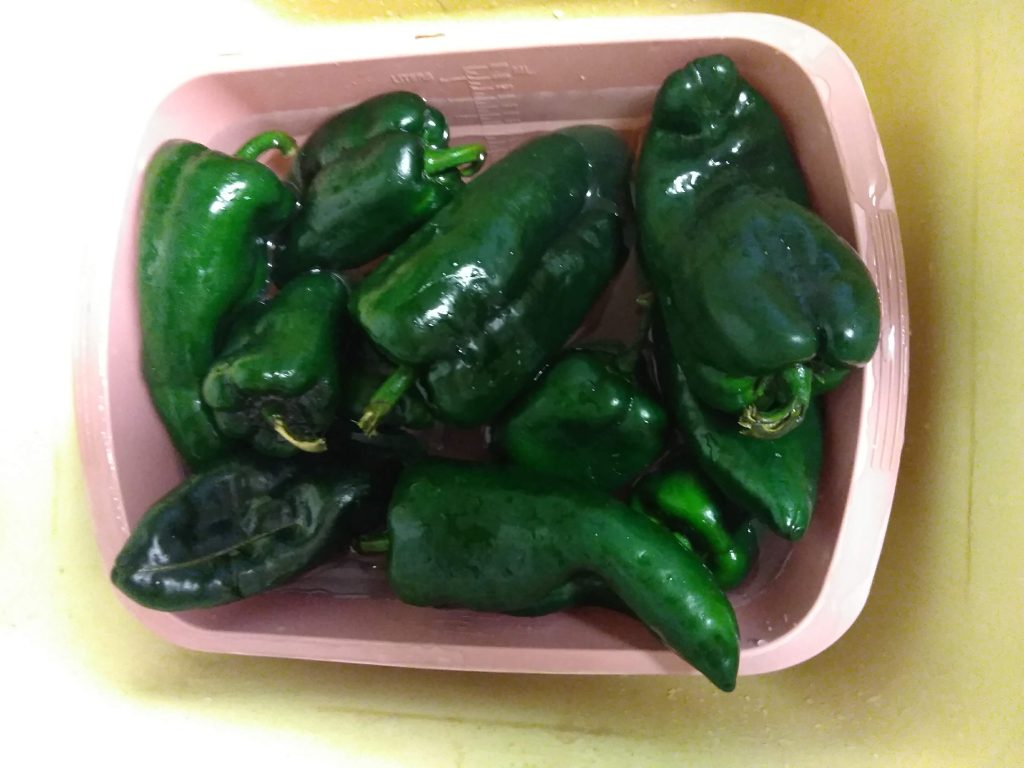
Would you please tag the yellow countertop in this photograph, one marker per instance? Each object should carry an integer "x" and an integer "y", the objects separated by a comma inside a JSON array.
[{"x": 932, "y": 674}]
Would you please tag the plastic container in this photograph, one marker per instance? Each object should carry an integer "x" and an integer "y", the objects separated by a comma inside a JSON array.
[{"x": 539, "y": 77}]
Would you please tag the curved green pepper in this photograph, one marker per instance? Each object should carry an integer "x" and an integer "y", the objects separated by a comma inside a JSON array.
[
  {"x": 682, "y": 501},
  {"x": 765, "y": 304},
  {"x": 395, "y": 111},
  {"x": 775, "y": 480},
  {"x": 476, "y": 301},
  {"x": 277, "y": 382},
  {"x": 205, "y": 219},
  {"x": 506, "y": 539},
  {"x": 370, "y": 199},
  {"x": 586, "y": 419},
  {"x": 240, "y": 528}
]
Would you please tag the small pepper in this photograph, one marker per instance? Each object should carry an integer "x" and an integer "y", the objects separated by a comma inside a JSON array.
[
  {"x": 277, "y": 381},
  {"x": 475, "y": 302},
  {"x": 205, "y": 221},
  {"x": 240, "y": 528},
  {"x": 765, "y": 304},
  {"x": 775, "y": 480},
  {"x": 684, "y": 502},
  {"x": 588, "y": 420},
  {"x": 507, "y": 539},
  {"x": 395, "y": 111},
  {"x": 368, "y": 200}
]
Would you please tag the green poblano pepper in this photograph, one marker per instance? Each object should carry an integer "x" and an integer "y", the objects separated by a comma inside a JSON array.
[
  {"x": 238, "y": 529},
  {"x": 352, "y": 128},
  {"x": 764, "y": 304},
  {"x": 586, "y": 419},
  {"x": 371, "y": 198},
  {"x": 774, "y": 480},
  {"x": 476, "y": 301},
  {"x": 205, "y": 221},
  {"x": 508, "y": 539},
  {"x": 277, "y": 382}
]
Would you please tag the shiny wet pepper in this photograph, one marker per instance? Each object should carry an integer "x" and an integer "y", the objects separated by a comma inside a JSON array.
[
  {"x": 370, "y": 198},
  {"x": 774, "y": 480},
  {"x": 277, "y": 382},
  {"x": 473, "y": 304},
  {"x": 765, "y": 305},
  {"x": 391, "y": 112},
  {"x": 205, "y": 221},
  {"x": 586, "y": 419},
  {"x": 507, "y": 539}
]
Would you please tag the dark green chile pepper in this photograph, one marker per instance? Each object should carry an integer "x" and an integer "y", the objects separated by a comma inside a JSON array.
[
  {"x": 277, "y": 381},
  {"x": 370, "y": 199},
  {"x": 205, "y": 219},
  {"x": 476, "y": 301},
  {"x": 586, "y": 420},
  {"x": 396, "y": 111},
  {"x": 240, "y": 528},
  {"x": 775, "y": 480},
  {"x": 765, "y": 304},
  {"x": 682, "y": 501},
  {"x": 365, "y": 372},
  {"x": 506, "y": 539}
]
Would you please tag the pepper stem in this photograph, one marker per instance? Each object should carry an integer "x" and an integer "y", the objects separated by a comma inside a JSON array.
[
  {"x": 373, "y": 544},
  {"x": 797, "y": 383},
  {"x": 309, "y": 446},
  {"x": 266, "y": 141},
  {"x": 468, "y": 158},
  {"x": 385, "y": 398}
]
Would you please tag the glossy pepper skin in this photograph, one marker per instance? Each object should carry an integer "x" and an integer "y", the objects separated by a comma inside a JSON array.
[
  {"x": 277, "y": 382},
  {"x": 369, "y": 199},
  {"x": 586, "y": 419},
  {"x": 239, "y": 528},
  {"x": 765, "y": 304},
  {"x": 774, "y": 480},
  {"x": 392, "y": 112},
  {"x": 205, "y": 220},
  {"x": 504, "y": 539},
  {"x": 476, "y": 301},
  {"x": 683, "y": 501}
]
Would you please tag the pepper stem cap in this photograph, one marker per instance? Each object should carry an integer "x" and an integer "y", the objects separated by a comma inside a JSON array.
[{"x": 796, "y": 384}]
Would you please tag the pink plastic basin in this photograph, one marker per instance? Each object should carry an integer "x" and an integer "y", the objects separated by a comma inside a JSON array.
[{"x": 540, "y": 77}]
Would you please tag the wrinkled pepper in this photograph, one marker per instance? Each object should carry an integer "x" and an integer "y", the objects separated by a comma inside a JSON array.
[
  {"x": 474, "y": 303},
  {"x": 507, "y": 539},
  {"x": 684, "y": 502},
  {"x": 764, "y": 303},
  {"x": 241, "y": 527},
  {"x": 277, "y": 382},
  {"x": 368, "y": 200},
  {"x": 774, "y": 480},
  {"x": 205, "y": 222},
  {"x": 586, "y": 419}
]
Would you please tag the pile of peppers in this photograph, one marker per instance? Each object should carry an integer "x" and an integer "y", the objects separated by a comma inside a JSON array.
[{"x": 301, "y": 335}]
